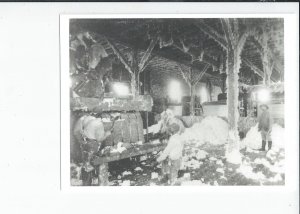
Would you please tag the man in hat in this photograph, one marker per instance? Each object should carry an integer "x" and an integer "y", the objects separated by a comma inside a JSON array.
[{"x": 265, "y": 127}]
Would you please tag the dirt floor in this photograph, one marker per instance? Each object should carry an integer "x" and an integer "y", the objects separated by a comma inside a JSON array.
[{"x": 209, "y": 168}]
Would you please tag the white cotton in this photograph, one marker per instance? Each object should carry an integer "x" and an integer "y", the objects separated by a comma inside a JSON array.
[
  {"x": 138, "y": 169},
  {"x": 139, "y": 143},
  {"x": 234, "y": 157},
  {"x": 213, "y": 159},
  {"x": 220, "y": 170},
  {"x": 219, "y": 162},
  {"x": 271, "y": 154},
  {"x": 106, "y": 120},
  {"x": 126, "y": 173},
  {"x": 200, "y": 155},
  {"x": 155, "y": 141},
  {"x": 154, "y": 175},
  {"x": 154, "y": 128},
  {"x": 247, "y": 171},
  {"x": 277, "y": 136},
  {"x": 252, "y": 139},
  {"x": 125, "y": 183},
  {"x": 119, "y": 148},
  {"x": 187, "y": 175},
  {"x": 143, "y": 158},
  {"x": 223, "y": 177},
  {"x": 211, "y": 129},
  {"x": 277, "y": 167}
]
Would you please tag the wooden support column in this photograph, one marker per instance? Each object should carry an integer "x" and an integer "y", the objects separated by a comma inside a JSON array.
[
  {"x": 135, "y": 81},
  {"x": 267, "y": 59},
  {"x": 223, "y": 82},
  {"x": 192, "y": 103},
  {"x": 140, "y": 67},
  {"x": 232, "y": 99},
  {"x": 234, "y": 48},
  {"x": 192, "y": 78}
]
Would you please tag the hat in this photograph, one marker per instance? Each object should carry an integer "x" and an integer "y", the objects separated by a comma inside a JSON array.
[
  {"x": 264, "y": 105},
  {"x": 174, "y": 128}
]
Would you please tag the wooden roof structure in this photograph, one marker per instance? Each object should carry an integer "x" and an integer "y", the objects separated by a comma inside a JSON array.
[{"x": 174, "y": 44}]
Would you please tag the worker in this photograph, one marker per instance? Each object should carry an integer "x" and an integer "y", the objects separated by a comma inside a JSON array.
[
  {"x": 265, "y": 127},
  {"x": 91, "y": 134},
  {"x": 171, "y": 157}
]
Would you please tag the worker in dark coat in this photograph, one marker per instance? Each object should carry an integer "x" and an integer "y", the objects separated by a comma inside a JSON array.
[{"x": 265, "y": 127}]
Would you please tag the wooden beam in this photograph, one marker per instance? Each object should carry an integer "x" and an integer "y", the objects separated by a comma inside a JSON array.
[
  {"x": 120, "y": 56},
  {"x": 211, "y": 33},
  {"x": 156, "y": 56},
  {"x": 227, "y": 31},
  {"x": 206, "y": 58},
  {"x": 184, "y": 75},
  {"x": 147, "y": 54},
  {"x": 172, "y": 66},
  {"x": 253, "y": 67},
  {"x": 199, "y": 77}
]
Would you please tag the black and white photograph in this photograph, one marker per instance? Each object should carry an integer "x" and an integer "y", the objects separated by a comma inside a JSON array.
[
  {"x": 177, "y": 101},
  {"x": 149, "y": 107}
]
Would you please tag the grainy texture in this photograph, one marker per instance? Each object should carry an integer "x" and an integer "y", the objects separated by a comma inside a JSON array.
[
  {"x": 131, "y": 152},
  {"x": 96, "y": 105}
]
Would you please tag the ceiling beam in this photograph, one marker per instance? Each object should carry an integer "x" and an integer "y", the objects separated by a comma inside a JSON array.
[
  {"x": 120, "y": 56},
  {"x": 147, "y": 54},
  {"x": 253, "y": 67},
  {"x": 206, "y": 58},
  {"x": 201, "y": 74},
  {"x": 211, "y": 33}
]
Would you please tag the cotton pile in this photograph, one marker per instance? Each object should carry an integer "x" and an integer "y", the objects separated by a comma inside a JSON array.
[
  {"x": 211, "y": 129},
  {"x": 253, "y": 138},
  {"x": 277, "y": 136}
]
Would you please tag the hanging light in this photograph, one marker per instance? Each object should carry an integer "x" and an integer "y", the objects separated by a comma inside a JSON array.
[
  {"x": 175, "y": 91},
  {"x": 121, "y": 89},
  {"x": 203, "y": 94},
  {"x": 263, "y": 95}
]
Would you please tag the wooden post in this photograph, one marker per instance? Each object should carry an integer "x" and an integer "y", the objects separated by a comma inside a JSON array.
[
  {"x": 235, "y": 44},
  {"x": 103, "y": 174},
  {"x": 192, "y": 81},
  {"x": 192, "y": 103},
  {"x": 147, "y": 122},
  {"x": 133, "y": 84},
  {"x": 232, "y": 100}
]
